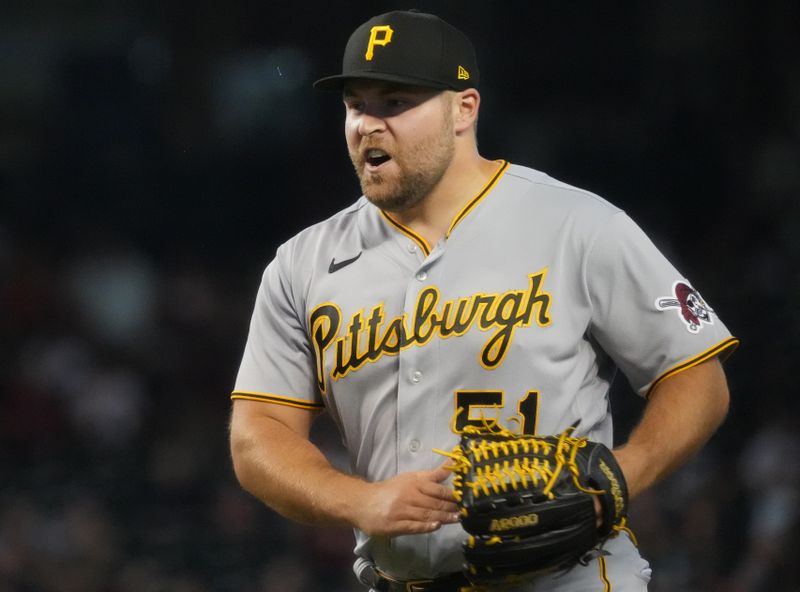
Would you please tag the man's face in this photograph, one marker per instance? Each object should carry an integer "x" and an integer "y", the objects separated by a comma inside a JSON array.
[{"x": 400, "y": 140}]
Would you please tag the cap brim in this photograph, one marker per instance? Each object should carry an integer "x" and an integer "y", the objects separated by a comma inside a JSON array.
[{"x": 337, "y": 83}]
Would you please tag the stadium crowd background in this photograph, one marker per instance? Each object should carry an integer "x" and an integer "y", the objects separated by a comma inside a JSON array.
[{"x": 154, "y": 154}]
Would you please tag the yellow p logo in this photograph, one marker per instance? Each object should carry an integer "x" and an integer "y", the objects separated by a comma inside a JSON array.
[{"x": 374, "y": 40}]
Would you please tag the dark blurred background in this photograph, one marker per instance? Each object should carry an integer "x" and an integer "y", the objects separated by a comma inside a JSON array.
[{"x": 154, "y": 154}]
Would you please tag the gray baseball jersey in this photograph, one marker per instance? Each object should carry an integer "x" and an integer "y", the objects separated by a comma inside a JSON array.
[{"x": 521, "y": 314}]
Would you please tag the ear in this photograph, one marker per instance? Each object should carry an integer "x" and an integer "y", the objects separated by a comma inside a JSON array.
[{"x": 465, "y": 109}]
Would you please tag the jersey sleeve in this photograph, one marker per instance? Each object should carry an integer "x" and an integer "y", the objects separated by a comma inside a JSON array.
[
  {"x": 645, "y": 314},
  {"x": 277, "y": 365}
]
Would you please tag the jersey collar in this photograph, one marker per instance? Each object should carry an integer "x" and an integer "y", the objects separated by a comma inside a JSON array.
[{"x": 423, "y": 244}]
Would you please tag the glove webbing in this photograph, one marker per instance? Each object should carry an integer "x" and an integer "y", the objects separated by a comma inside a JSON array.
[{"x": 498, "y": 477}]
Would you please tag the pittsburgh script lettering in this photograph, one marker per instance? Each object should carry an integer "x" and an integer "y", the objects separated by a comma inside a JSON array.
[{"x": 368, "y": 337}]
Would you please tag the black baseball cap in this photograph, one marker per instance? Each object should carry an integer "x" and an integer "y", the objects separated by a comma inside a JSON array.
[{"x": 407, "y": 47}]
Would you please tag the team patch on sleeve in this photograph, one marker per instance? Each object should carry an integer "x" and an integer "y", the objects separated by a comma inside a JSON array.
[{"x": 690, "y": 306}]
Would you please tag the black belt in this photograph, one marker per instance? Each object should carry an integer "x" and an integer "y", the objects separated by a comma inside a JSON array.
[{"x": 448, "y": 583}]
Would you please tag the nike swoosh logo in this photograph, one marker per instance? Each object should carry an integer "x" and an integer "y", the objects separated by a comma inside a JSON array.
[{"x": 334, "y": 266}]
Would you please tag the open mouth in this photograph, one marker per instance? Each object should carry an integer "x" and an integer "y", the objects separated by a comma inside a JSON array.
[{"x": 375, "y": 157}]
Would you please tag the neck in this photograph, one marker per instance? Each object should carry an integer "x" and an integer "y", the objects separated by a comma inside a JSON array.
[{"x": 463, "y": 180}]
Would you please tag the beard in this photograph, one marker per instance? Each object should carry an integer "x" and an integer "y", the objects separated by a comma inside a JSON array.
[{"x": 417, "y": 170}]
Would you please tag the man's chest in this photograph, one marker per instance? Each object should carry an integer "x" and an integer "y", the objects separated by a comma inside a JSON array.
[{"x": 475, "y": 301}]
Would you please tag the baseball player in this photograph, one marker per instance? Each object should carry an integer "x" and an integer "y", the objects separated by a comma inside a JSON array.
[{"x": 458, "y": 290}]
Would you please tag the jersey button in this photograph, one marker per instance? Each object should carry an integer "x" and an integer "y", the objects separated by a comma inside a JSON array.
[
  {"x": 416, "y": 376},
  {"x": 422, "y": 276},
  {"x": 414, "y": 445},
  {"x": 412, "y": 247}
]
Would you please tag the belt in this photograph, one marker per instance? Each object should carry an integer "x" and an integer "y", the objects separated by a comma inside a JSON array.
[{"x": 448, "y": 583}]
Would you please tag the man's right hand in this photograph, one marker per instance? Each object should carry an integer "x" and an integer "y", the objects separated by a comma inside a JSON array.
[
  {"x": 409, "y": 503},
  {"x": 275, "y": 461}
]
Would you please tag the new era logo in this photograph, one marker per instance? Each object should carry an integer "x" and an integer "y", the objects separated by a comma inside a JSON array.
[{"x": 462, "y": 73}]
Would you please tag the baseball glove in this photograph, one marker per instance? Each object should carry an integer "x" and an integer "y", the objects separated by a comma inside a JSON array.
[{"x": 527, "y": 502}]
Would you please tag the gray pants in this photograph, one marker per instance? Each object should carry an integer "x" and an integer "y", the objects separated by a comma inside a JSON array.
[{"x": 619, "y": 568}]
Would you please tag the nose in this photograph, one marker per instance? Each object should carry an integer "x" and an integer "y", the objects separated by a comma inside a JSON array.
[{"x": 369, "y": 124}]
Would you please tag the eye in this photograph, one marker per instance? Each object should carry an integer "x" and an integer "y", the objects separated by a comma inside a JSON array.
[
  {"x": 353, "y": 105},
  {"x": 397, "y": 103}
]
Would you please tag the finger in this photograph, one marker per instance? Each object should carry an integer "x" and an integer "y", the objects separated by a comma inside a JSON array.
[
  {"x": 437, "y": 491},
  {"x": 441, "y": 473},
  {"x": 435, "y": 505},
  {"x": 598, "y": 510},
  {"x": 429, "y": 515},
  {"x": 414, "y": 527},
  {"x": 432, "y": 496}
]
